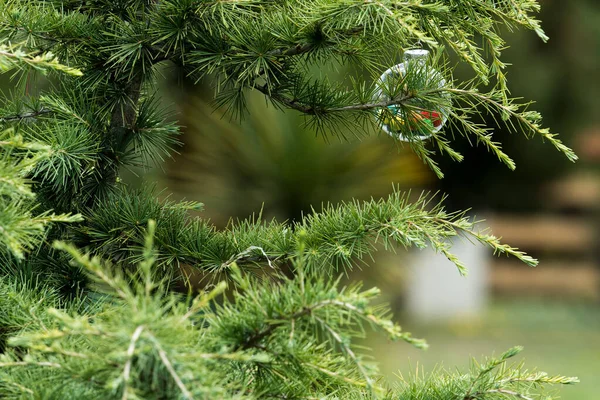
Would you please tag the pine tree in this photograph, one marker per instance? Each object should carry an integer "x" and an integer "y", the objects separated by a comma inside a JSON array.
[{"x": 91, "y": 305}]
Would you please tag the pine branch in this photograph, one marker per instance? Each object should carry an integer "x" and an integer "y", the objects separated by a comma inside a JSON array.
[
  {"x": 123, "y": 116},
  {"x": 255, "y": 339},
  {"x": 10, "y": 58},
  {"x": 23, "y": 116},
  {"x": 340, "y": 236},
  {"x": 527, "y": 119},
  {"x": 285, "y": 319},
  {"x": 312, "y": 109},
  {"x": 21, "y": 228}
]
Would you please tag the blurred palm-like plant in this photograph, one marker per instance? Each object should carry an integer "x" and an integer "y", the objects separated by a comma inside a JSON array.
[{"x": 271, "y": 159}]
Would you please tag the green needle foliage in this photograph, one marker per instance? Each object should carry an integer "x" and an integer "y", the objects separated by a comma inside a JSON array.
[
  {"x": 91, "y": 272},
  {"x": 289, "y": 338},
  {"x": 21, "y": 229}
]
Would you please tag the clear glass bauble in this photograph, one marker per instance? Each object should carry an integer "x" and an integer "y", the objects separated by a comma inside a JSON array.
[{"x": 422, "y": 121}]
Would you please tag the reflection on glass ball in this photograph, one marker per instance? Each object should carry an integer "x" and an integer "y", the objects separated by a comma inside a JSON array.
[{"x": 413, "y": 120}]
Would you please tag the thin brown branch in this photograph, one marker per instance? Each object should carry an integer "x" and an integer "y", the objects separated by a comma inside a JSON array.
[
  {"x": 124, "y": 117},
  {"x": 27, "y": 115},
  {"x": 306, "y": 109},
  {"x": 292, "y": 51},
  {"x": 507, "y": 392},
  {"x": 253, "y": 340}
]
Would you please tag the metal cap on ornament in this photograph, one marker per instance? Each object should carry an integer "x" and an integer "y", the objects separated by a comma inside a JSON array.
[
  {"x": 421, "y": 122},
  {"x": 419, "y": 54}
]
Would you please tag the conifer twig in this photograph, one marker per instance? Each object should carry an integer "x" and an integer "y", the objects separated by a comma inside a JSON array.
[
  {"x": 130, "y": 353},
  {"x": 27, "y": 115},
  {"x": 165, "y": 359}
]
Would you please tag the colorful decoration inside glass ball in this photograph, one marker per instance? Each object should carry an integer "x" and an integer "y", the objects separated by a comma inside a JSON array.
[{"x": 413, "y": 121}]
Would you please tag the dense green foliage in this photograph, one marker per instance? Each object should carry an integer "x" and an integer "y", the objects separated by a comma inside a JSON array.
[{"x": 106, "y": 321}]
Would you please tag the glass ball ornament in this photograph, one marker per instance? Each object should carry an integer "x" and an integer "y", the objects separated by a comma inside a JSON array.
[{"x": 416, "y": 120}]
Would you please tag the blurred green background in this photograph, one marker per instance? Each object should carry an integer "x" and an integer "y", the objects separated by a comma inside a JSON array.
[{"x": 548, "y": 207}]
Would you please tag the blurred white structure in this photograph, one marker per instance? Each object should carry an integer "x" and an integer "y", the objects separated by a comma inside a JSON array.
[{"x": 436, "y": 291}]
